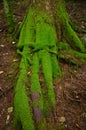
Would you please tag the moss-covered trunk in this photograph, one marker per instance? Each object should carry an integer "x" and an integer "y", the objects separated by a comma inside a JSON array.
[
  {"x": 41, "y": 45},
  {"x": 8, "y": 8}
]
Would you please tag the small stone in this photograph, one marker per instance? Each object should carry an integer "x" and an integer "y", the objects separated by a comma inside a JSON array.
[
  {"x": 4, "y": 54},
  {"x": 10, "y": 109},
  {"x": 61, "y": 119},
  {"x": 8, "y": 118},
  {"x": 13, "y": 42},
  {"x": 66, "y": 126},
  {"x": 77, "y": 97},
  {"x": 1, "y": 45}
]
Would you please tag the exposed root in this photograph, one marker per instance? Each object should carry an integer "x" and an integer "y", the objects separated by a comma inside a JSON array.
[{"x": 67, "y": 31}]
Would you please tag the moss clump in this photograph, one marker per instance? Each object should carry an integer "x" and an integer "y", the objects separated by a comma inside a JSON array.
[
  {"x": 38, "y": 45},
  {"x": 67, "y": 30},
  {"x": 70, "y": 55},
  {"x": 72, "y": 38},
  {"x": 36, "y": 94},
  {"x": 27, "y": 35},
  {"x": 22, "y": 111},
  {"x": 46, "y": 42}
]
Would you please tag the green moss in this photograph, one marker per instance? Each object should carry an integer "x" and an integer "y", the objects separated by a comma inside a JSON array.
[
  {"x": 52, "y": 40},
  {"x": 22, "y": 110},
  {"x": 61, "y": 127},
  {"x": 45, "y": 40},
  {"x": 72, "y": 38},
  {"x": 47, "y": 71},
  {"x": 62, "y": 15},
  {"x": 38, "y": 40},
  {"x": 62, "y": 46},
  {"x": 78, "y": 55},
  {"x": 36, "y": 92},
  {"x": 38, "y": 44},
  {"x": 35, "y": 84},
  {"x": 70, "y": 55},
  {"x": 27, "y": 35},
  {"x": 9, "y": 16},
  {"x": 67, "y": 30},
  {"x": 56, "y": 71}
]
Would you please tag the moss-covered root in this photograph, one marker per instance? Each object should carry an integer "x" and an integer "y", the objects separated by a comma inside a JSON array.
[
  {"x": 67, "y": 30},
  {"x": 22, "y": 111},
  {"x": 78, "y": 55},
  {"x": 47, "y": 71},
  {"x": 56, "y": 71},
  {"x": 52, "y": 39},
  {"x": 27, "y": 34},
  {"x": 72, "y": 38},
  {"x": 70, "y": 55},
  {"x": 46, "y": 39},
  {"x": 36, "y": 93}
]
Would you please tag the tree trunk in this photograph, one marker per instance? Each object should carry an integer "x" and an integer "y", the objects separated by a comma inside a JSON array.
[
  {"x": 44, "y": 29},
  {"x": 9, "y": 15}
]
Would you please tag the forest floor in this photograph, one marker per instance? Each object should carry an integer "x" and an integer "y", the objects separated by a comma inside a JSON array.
[{"x": 70, "y": 89}]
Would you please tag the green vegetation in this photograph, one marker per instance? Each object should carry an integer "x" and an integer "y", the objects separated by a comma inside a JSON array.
[
  {"x": 9, "y": 15},
  {"x": 22, "y": 111},
  {"x": 36, "y": 94},
  {"x": 65, "y": 23},
  {"x": 36, "y": 44},
  {"x": 40, "y": 50}
]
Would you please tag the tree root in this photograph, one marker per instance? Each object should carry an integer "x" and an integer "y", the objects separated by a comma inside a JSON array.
[
  {"x": 67, "y": 30},
  {"x": 36, "y": 94},
  {"x": 22, "y": 111}
]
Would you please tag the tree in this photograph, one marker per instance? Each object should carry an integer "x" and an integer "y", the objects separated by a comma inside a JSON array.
[
  {"x": 9, "y": 15},
  {"x": 46, "y": 35}
]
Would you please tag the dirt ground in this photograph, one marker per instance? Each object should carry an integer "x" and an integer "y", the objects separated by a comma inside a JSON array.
[{"x": 70, "y": 89}]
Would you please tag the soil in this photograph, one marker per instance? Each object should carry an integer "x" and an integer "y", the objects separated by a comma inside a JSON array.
[{"x": 70, "y": 90}]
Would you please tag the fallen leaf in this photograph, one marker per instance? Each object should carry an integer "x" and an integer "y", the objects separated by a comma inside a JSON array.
[{"x": 1, "y": 72}]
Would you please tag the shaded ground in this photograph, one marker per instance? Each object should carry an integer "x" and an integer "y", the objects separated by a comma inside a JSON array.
[{"x": 70, "y": 89}]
